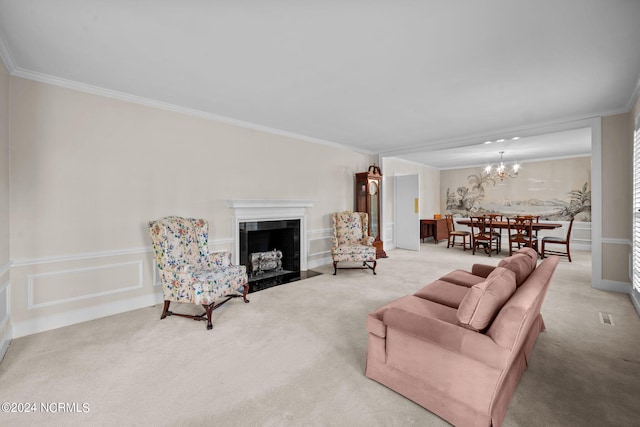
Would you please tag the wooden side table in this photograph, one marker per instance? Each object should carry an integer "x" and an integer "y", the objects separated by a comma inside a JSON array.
[{"x": 436, "y": 228}]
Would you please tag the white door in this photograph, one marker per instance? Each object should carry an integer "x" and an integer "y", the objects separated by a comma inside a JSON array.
[{"x": 407, "y": 212}]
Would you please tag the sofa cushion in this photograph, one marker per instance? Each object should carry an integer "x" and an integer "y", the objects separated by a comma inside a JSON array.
[
  {"x": 521, "y": 264},
  {"x": 442, "y": 292},
  {"x": 483, "y": 301},
  {"x": 462, "y": 278},
  {"x": 412, "y": 304}
]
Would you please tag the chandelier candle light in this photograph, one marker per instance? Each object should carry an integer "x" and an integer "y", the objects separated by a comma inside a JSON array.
[{"x": 500, "y": 171}]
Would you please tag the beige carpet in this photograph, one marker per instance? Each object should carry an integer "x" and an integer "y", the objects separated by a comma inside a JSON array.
[{"x": 295, "y": 356}]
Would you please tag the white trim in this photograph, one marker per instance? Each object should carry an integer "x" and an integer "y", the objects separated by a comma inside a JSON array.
[
  {"x": 635, "y": 94},
  {"x": 30, "y": 282},
  {"x": 615, "y": 241},
  {"x": 325, "y": 260},
  {"x": 4, "y": 288},
  {"x": 67, "y": 318},
  {"x": 271, "y": 210},
  {"x": 635, "y": 300},
  {"x": 613, "y": 286},
  {"x": 268, "y": 203},
  {"x": 5, "y": 268},
  {"x": 596, "y": 202},
  {"x": 77, "y": 257},
  {"x": 474, "y": 139},
  {"x": 108, "y": 93},
  {"x": 6, "y": 320},
  {"x": 6, "y": 340},
  {"x": 324, "y": 233},
  {"x": 6, "y": 56}
]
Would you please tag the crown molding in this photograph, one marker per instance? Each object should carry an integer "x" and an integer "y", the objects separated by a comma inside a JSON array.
[
  {"x": 634, "y": 95},
  {"x": 523, "y": 131},
  {"x": 100, "y": 91},
  {"x": 6, "y": 56}
]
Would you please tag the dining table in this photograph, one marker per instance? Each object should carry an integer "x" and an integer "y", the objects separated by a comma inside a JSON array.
[
  {"x": 504, "y": 224},
  {"x": 536, "y": 226}
]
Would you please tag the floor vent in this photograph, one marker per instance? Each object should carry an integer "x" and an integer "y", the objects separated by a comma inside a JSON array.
[{"x": 606, "y": 319}]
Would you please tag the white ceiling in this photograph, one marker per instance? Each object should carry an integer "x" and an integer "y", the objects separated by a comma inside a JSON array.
[{"x": 386, "y": 76}]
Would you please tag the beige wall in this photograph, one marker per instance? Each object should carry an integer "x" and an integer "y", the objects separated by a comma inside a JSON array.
[
  {"x": 89, "y": 171},
  {"x": 429, "y": 191},
  {"x": 617, "y": 181},
  {"x": 5, "y": 255}
]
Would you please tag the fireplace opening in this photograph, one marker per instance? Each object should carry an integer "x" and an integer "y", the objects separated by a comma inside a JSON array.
[{"x": 271, "y": 252}]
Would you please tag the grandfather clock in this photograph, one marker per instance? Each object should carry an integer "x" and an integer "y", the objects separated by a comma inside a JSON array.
[{"x": 368, "y": 185}]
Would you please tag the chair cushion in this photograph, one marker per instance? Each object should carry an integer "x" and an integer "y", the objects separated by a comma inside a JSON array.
[
  {"x": 354, "y": 253},
  {"x": 522, "y": 265},
  {"x": 462, "y": 278},
  {"x": 483, "y": 301},
  {"x": 442, "y": 292},
  {"x": 552, "y": 239}
]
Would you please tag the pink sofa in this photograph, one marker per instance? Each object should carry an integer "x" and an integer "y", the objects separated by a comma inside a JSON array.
[{"x": 459, "y": 346}]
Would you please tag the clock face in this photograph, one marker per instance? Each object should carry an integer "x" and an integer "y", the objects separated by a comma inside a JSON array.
[{"x": 373, "y": 188}]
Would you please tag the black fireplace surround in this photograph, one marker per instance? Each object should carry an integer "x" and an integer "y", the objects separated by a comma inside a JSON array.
[{"x": 264, "y": 236}]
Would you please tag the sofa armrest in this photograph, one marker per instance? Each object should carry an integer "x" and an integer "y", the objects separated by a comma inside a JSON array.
[
  {"x": 482, "y": 270},
  {"x": 454, "y": 338}
]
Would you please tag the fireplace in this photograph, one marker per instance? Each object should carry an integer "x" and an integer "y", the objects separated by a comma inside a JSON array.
[
  {"x": 265, "y": 236},
  {"x": 264, "y": 225}
]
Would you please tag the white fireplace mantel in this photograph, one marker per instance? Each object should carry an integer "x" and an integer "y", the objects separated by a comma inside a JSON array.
[{"x": 247, "y": 210}]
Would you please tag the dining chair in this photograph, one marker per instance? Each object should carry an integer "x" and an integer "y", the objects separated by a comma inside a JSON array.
[
  {"x": 453, "y": 233},
  {"x": 497, "y": 217},
  {"x": 558, "y": 241},
  {"x": 483, "y": 234},
  {"x": 535, "y": 219},
  {"x": 520, "y": 231}
]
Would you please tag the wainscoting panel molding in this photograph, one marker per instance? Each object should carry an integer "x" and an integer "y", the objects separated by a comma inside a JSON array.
[
  {"x": 5, "y": 319},
  {"x": 319, "y": 247},
  {"x": 57, "y": 291},
  {"x": 53, "y": 288}
]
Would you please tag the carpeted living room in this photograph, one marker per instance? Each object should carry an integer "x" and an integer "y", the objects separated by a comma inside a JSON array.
[
  {"x": 296, "y": 356},
  {"x": 319, "y": 151}
]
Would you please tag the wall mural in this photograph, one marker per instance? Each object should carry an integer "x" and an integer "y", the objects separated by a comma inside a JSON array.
[{"x": 556, "y": 190}]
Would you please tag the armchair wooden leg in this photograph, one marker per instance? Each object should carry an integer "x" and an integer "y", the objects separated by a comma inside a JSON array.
[
  {"x": 165, "y": 310},
  {"x": 244, "y": 293},
  {"x": 335, "y": 267},
  {"x": 209, "y": 308}
]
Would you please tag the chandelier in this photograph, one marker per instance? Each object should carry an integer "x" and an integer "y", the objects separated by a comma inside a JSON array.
[{"x": 500, "y": 172}]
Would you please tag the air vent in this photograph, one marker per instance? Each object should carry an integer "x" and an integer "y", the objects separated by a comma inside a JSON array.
[{"x": 606, "y": 319}]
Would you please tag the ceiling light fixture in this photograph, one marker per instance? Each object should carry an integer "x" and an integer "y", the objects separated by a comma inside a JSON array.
[{"x": 500, "y": 172}]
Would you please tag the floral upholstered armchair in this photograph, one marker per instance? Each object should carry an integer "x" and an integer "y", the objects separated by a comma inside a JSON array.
[
  {"x": 350, "y": 241},
  {"x": 188, "y": 272}
]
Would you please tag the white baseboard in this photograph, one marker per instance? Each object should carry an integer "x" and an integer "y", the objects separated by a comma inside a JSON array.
[
  {"x": 55, "y": 321},
  {"x": 6, "y": 340},
  {"x": 635, "y": 300},
  {"x": 613, "y": 286},
  {"x": 311, "y": 264}
]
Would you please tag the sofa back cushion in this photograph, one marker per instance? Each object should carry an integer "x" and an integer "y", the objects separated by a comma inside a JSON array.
[
  {"x": 522, "y": 264},
  {"x": 483, "y": 301}
]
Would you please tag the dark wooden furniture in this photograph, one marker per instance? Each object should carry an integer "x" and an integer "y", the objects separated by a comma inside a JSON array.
[
  {"x": 558, "y": 241},
  {"x": 453, "y": 233},
  {"x": 436, "y": 228},
  {"x": 504, "y": 224},
  {"x": 521, "y": 233},
  {"x": 368, "y": 186},
  {"x": 483, "y": 234}
]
